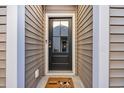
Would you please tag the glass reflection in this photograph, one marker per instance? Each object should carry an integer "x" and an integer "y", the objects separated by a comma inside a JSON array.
[
  {"x": 60, "y": 36},
  {"x": 64, "y": 28},
  {"x": 56, "y": 28},
  {"x": 56, "y": 44},
  {"x": 64, "y": 44}
]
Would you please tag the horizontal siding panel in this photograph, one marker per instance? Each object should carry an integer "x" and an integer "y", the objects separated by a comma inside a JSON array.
[
  {"x": 32, "y": 35},
  {"x": 31, "y": 73},
  {"x": 32, "y": 40},
  {"x": 83, "y": 11},
  {"x": 117, "y": 6},
  {"x": 3, "y": 11},
  {"x": 117, "y": 21},
  {"x": 117, "y": 82},
  {"x": 29, "y": 47},
  {"x": 86, "y": 65},
  {"x": 30, "y": 21},
  {"x": 2, "y": 46},
  {"x": 86, "y": 58},
  {"x": 88, "y": 40},
  {"x": 84, "y": 44},
  {"x": 2, "y": 19},
  {"x": 87, "y": 77},
  {"x": 34, "y": 19},
  {"x": 117, "y": 38},
  {"x": 85, "y": 17},
  {"x": 85, "y": 52},
  {"x": 2, "y": 82},
  {"x": 2, "y": 55},
  {"x": 117, "y": 12},
  {"x": 32, "y": 52},
  {"x": 88, "y": 47},
  {"x": 87, "y": 29},
  {"x": 33, "y": 58},
  {"x": 32, "y": 29},
  {"x": 37, "y": 15},
  {"x": 33, "y": 64},
  {"x": 2, "y": 72},
  {"x": 86, "y": 35},
  {"x": 86, "y": 71},
  {"x": 2, "y": 37},
  {"x": 2, "y": 64},
  {"x": 34, "y": 43},
  {"x": 2, "y": 28},
  {"x": 55, "y": 8},
  {"x": 33, "y": 15},
  {"x": 117, "y": 73},
  {"x": 116, "y": 46},
  {"x": 116, "y": 64},
  {"x": 118, "y": 55},
  {"x": 117, "y": 29},
  {"x": 89, "y": 21}
]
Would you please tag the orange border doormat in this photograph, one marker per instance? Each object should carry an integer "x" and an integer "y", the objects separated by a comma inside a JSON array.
[{"x": 59, "y": 82}]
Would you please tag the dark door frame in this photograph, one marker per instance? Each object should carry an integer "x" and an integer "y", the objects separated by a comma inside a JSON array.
[{"x": 47, "y": 72}]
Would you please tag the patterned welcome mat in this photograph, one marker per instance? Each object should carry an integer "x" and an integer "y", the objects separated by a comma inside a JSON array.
[{"x": 59, "y": 82}]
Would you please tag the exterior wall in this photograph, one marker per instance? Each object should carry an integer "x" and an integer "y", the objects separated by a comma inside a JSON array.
[
  {"x": 60, "y": 8},
  {"x": 34, "y": 41},
  {"x": 84, "y": 43},
  {"x": 116, "y": 46},
  {"x": 2, "y": 46}
]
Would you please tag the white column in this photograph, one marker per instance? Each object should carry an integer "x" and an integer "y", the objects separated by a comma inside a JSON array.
[
  {"x": 15, "y": 46},
  {"x": 11, "y": 47},
  {"x": 21, "y": 47},
  {"x": 101, "y": 46}
]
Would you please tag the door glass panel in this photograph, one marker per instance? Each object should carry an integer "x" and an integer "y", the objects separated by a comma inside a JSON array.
[
  {"x": 64, "y": 44},
  {"x": 56, "y": 44},
  {"x": 56, "y": 28},
  {"x": 64, "y": 28}
]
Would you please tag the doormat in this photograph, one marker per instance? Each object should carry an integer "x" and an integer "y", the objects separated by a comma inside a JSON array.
[{"x": 59, "y": 82}]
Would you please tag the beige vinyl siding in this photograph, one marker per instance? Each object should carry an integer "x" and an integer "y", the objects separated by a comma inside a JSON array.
[
  {"x": 2, "y": 46},
  {"x": 60, "y": 8},
  {"x": 84, "y": 43},
  {"x": 34, "y": 43},
  {"x": 116, "y": 46}
]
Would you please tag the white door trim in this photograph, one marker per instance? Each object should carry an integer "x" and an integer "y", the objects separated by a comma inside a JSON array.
[
  {"x": 100, "y": 46},
  {"x": 73, "y": 43}
]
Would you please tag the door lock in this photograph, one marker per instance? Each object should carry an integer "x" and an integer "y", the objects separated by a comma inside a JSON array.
[{"x": 50, "y": 44}]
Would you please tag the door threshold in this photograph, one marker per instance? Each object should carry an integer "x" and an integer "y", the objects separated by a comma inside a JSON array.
[{"x": 54, "y": 72}]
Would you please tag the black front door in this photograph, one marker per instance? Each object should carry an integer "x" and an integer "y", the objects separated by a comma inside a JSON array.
[{"x": 60, "y": 43}]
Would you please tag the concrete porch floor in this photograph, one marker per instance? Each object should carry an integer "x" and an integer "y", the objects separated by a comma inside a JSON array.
[{"x": 76, "y": 80}]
